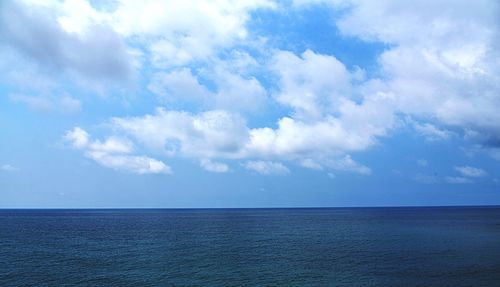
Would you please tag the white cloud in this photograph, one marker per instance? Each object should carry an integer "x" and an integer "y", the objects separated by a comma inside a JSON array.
[
  {"x": 112, "y": 145},
  {"x": 209, "y": 134},
  {"x": 457, "y": 180},
  {"x": 78, "y": 137},
  {"x": 310, "y": 84},
  {"x": 355, "y": 129},
  {"x": 8, "y": 167},
  {"x": 267, "y": 167},
  {"x": 214, "y": 166},
  {"x": 136, "y": 164},
  {"x": 470, "y": 171},
  {"x": 97, "y": 53},
  {"x": 178, "y": 33},
  {"x": 114, "y": 153}
]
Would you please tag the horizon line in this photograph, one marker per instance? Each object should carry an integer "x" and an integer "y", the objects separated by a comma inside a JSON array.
[{"x": 279, "y": 207}]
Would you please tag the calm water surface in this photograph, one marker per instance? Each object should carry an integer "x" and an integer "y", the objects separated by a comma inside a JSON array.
[{"x": 251, "y": 247}]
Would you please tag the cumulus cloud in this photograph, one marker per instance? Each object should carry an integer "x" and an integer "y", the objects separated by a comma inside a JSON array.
[
  {"x": 329, "y": 115},
  {"x": 177, "y": 33},
  {"x": 209, "y": 134},
  {"x": 136, "y": 164},
  {"x": 33, "y": 31},
  {"x": 355, "y": 129},
  {"x": 470, "y": 171},
  {"x": 114, "y": 153},
  {"x": 267, "y": 167},
  {"x": 78, "y": 137},
  {"x": 310, "y": 84}
]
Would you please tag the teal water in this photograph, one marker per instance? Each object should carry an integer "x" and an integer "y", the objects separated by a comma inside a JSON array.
[{"x": 451, "y": 246}]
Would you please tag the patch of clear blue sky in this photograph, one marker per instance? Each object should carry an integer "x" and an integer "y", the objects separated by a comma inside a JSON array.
[{"x": 314, "y": 28}]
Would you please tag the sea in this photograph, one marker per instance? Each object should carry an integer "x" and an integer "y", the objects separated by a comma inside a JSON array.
[{"x": 400, "y": 246}]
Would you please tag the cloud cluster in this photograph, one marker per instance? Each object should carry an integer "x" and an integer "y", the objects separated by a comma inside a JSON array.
[
  {"x": 220, "y": 134},
  {"x": 114, "y": 153},
  {"x": 103, "y": 48},
  {"x": 432, "y": 67},
  {"x": 197, "y": 52}
]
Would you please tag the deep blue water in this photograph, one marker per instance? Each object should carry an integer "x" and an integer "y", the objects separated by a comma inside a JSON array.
[{"x": 452, "y": 246}]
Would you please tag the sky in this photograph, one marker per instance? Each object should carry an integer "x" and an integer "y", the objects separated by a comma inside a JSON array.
[{"x": 251, "y": 103}]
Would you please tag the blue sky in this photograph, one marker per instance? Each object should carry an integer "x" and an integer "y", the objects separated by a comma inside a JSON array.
[{"x": 249, "y": 103}]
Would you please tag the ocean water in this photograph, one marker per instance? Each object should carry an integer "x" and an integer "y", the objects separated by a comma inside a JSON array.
[{"x": 452, "y": 246}]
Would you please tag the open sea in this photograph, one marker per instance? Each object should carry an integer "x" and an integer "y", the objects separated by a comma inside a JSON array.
[{"x": 424, "y": 246}]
